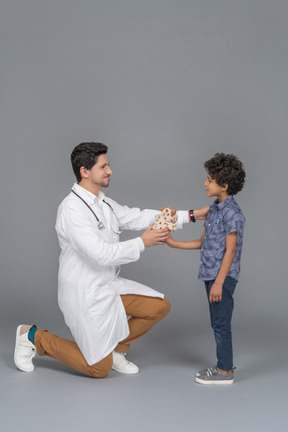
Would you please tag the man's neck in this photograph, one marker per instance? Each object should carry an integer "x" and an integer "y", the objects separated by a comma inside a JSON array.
[{"x": 94, "y": 189}]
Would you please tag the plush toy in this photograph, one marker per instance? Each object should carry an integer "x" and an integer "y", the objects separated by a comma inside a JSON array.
[{"x": 166, "y": 219}]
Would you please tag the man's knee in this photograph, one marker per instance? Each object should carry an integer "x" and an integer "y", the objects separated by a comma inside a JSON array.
[
  {"x": 101, "y": 369},
  {"x": 167, "y": 306},
  {"x": 161, "y": 308}
]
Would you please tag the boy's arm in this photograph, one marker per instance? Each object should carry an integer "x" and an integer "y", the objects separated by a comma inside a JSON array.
[
  {"x": 193, "y": 244},
  {"x": 201, "y": 214},
  {"x": 216, "y": 289}
]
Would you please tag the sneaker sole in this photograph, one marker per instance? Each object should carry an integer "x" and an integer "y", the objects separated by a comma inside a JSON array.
[
  {"x": 15, "y": 350},
  {"x": 126, "y": 372},
  {"x": 220, "y": 382}
]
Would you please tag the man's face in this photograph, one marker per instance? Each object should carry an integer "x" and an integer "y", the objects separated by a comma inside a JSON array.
[{"x": 100, "y": 173}]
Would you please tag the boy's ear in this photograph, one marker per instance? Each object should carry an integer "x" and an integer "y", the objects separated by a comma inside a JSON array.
[{"x": 225, "y": 187}]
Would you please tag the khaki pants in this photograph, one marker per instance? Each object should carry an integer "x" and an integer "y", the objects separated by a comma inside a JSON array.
[{"x": 144, "y": 312}]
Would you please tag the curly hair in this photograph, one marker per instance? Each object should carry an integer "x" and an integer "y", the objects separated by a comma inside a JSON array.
[
  {"x": 86, "y": 154},
  {"x": 226, "y": 169}
]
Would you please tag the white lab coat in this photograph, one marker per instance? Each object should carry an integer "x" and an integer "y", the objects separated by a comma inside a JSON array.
[{"x": 89, "y": 287}]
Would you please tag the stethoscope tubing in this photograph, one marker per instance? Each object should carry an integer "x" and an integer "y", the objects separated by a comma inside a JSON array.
[{"x": 100, "y": 225}]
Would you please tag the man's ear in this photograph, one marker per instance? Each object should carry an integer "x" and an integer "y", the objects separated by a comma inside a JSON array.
[
  {"x": 225, "y": 187},
  {"x": 84, "y": 172}
]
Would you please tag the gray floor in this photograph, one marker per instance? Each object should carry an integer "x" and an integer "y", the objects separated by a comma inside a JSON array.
[{"x": 162, "y": 397}]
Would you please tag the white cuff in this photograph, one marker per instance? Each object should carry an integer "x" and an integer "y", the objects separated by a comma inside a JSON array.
[
  {"x": 140, "y": 244},
  {"x": 182, "y": 218}
]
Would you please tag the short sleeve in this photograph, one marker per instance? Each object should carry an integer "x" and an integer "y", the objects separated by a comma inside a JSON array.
[{"x": 234, "y": 222}]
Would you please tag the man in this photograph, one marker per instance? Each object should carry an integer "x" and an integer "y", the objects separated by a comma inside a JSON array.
[{"x": 94, "y": 300}]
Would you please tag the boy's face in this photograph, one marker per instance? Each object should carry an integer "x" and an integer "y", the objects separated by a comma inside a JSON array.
[{"x": 213, "y": 189}]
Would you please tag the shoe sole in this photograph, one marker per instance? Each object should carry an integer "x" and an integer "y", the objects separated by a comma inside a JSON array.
[
  {"x": 15, "y": 350},
  {"x": 220, "y": 382}
]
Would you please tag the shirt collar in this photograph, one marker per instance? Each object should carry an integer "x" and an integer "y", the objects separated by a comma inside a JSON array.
[
  {"x": 223, "y": 204},
  {"x": 87, "y": 195}
]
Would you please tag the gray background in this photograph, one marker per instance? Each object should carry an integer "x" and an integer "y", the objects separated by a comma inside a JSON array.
[{"x": 165, "y": 84}]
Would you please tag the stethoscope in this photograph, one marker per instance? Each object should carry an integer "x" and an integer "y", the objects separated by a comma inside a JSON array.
[{"x": 100, "y": 225}]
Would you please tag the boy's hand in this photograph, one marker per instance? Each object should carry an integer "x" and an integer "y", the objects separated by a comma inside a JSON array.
[
  {"x": 215, "y": 292},
  {"x": 170, "y": 241}
]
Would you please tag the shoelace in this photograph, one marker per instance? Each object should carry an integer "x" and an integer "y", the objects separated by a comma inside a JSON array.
[
  {"x": 204, "y": 371},
  {"x": 211, "y": 371},
  {"x": 121, "y": 357},
  {"x": 214, "y": 370},
  {"x": 29, "y": 355}
]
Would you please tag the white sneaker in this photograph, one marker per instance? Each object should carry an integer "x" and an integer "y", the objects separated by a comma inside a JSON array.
[
  {"x": 25, "y": 350},
  {"x": 120, "y": 364}
]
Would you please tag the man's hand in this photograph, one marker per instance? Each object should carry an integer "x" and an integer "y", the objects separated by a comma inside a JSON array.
[
  {"x": 152, "y": 237},
  {"x": 200, "y": 214},
  {"x": 215, "y": 292}
]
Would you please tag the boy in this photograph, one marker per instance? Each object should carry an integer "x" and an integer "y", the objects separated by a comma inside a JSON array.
[{"x": 221, "y": 245}]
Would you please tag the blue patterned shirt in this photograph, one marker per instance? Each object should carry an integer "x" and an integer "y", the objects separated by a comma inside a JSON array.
[{"x": 222, "y": 219}]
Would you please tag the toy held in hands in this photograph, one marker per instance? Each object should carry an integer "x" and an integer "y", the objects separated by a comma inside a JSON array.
[{"x": 167, "y": 219}]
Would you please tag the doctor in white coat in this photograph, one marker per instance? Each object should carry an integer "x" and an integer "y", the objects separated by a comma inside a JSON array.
[{"x": 104, "y": 312}]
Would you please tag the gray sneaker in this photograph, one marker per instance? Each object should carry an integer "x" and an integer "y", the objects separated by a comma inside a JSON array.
[{"x": 213, "y": 376}]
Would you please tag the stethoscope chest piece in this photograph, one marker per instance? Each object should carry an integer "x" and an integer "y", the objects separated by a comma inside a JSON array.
[{"x": 101, "y": 225}]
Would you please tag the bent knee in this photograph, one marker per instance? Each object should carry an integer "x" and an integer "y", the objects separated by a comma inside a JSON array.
[
  {"x": 96, "y": 372},
  {"x": 162, "y": 308},
  {"x": 101, "y": 369},
  {"x": 167, "y": 306}
]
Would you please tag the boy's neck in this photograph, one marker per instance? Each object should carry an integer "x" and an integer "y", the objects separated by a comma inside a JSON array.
[{"x": 222, "y": 197}]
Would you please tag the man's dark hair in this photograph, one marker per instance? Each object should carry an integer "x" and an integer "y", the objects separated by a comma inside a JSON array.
[
  {"x": 86, "y": 154},
  {"x": 226, "y": 169}
]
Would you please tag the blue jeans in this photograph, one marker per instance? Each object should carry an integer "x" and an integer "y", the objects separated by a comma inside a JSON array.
[{"x": 221, "y": 316}]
